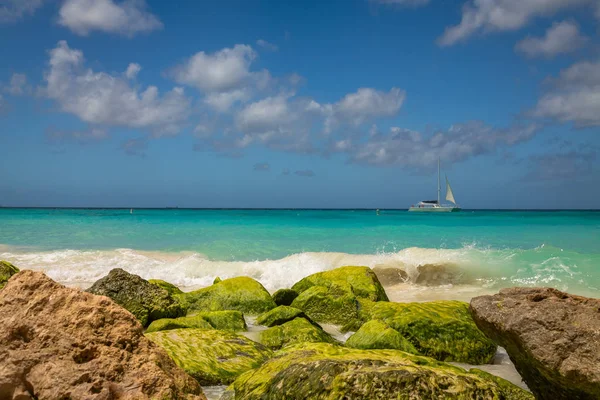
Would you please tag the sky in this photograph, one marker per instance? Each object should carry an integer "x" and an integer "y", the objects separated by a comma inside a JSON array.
[{"x": 300, "y": 103}]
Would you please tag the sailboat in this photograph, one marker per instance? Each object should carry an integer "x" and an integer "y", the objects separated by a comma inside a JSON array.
[{"x": 436, "y": 205}]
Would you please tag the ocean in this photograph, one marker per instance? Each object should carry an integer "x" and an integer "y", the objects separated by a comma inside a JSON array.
[{"x": 468, "y": 253}]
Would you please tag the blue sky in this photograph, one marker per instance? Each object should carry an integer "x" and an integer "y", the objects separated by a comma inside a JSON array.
[{"x": 338, "y": 103}]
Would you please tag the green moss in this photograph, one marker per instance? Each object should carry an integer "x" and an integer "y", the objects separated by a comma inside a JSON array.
[
  {"x": 169, "y": 287},
  {"x": 284, "y": 297},
  {"x": 242, "y": 293},
  {"x": 377, "y": 335},
  {"x": 146, "y": 301},
  {"x": 217, "y": 280},
  {"x": 329, "y": 305},
  {"x": 279, "y": 315},
  {"x": 362, "y": 281},
  {"x": 320, "y": 371},
  {"x": 178, "y": 323},
  {"x": 443, "y": 330},
  {"x": 298, "y": 330},
  {"x": 509, "y": 391},
  {"x": 6, "y": 271},
  {"x": 212, "y": 357},
  {"x": 230, "y": 320}
]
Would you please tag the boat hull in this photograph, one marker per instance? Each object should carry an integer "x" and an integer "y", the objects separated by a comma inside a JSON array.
[{"x": 434, "y": 209}]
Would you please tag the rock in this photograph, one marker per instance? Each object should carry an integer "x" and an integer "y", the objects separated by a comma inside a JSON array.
[
  {"x": 217, "y": 280},
  {"x": 377, "y": 335},
  {"x": 509, "y": 390},
  {"x": 279, "y": 315},
  {"x": 333, "y": 305},
  {"x": 299, "y": 330},
  {"x": 319, "y": 371},
  {"x": 212, "y": 357},
  {"x": 62, "y": 343},
  {"x": 552, "y": 337},
  {"x": 169, "y": 287},
  {"x": 438, "y": 274},
  {"x": 222, "y": 320},
  {"x": 6, "y": 271},
  {"x": 362, "y": 281},
  {"x": 242, "y": 293},
  {"x": 390, "y": 276},
  {"x": 443, "y": 330},
  {"x": 146, "y": 301},
  {"x": 284, "y": 297}
]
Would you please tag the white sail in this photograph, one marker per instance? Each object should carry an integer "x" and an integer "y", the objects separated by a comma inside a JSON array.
[{"x": 449, "y": 194}]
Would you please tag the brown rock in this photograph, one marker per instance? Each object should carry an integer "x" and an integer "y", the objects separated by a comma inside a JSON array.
[
  {"x": 61, "y": 343},
  {"x": 439, "y": 274},
  {"x": 553, "y": 338},
  {"x": 389, "y": 276}
]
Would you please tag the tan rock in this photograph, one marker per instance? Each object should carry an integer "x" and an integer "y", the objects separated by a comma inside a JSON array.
[{"x": 59, "y": 343}]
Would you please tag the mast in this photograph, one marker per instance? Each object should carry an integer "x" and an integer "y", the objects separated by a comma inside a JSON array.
[{"x": 438, "y": 180}]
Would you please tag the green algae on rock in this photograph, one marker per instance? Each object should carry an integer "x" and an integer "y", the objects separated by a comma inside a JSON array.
[
  {"x": 362, "y": 282},
  {"x": 330, "y": 305},
  {"x": 322, "y": 371},
  {"x": 222, "y": 320},
  {"x": 279, "y": 315},
  {"x": 148, "y": 302},
  {"x": 212, "y": 357},
  {"x": 6, "y": 271},
  {"x": 298, "y": 330},
  {"x": 509, "y": 390},
  {"x": 242, "y": 293},
  {"x": 169, "y": 287},
  {"x": 376, "y": 334},
  {"x": 284, "y": 297},
  {"x": 443, "y": 330}
]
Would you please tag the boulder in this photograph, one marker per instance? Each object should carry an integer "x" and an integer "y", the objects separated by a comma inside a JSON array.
[
  {"x": 438, "y": 274},
  {"x": 333, "y": 304},
  {"x": 552, "y": 337},
  {"x": 299, "y": 330},
  {"x": 389, "y": 276},
  {"x": 165, "y": 324},
  {"x": 279, "y": 315},
  {"x": 320, "y": 371},
  {"x": 223, "y": 320},
  {"x": 169, "y": 287},
  {"x": 212, "y": 357},
  {"x": 6, "y": 271},
  {"x": 443, "y": 330},
  {"x": 242, "y": 293},
  {"x": 284, "y": 297},
  {"x": 62, "y": 343},
  {"x": 146, "y": 301},
  {"x": 362, "y": 282},
  {"x": 376, "y": 334}
]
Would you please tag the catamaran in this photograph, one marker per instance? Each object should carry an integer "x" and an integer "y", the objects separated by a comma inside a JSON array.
[{"x": 436, "y": 205}]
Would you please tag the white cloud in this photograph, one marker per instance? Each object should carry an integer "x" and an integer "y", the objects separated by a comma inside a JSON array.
[
  {"x": 411, "y": 3},
  {"x": 562, "y": 37},
  {"x": 482, "y": 16},
  {"x": 18, "y": 85},
  {"x": 132, "y": 70},
  {"x": 574, "y": 96},
  {"x": 267, "y": 45},
  {"x": 222, "y": 101},
  {"x": 126, "y": 18},
  {"x": 103, "y": 99},
  {"x": 413, "y": 149},
  {"x": 13, "y": 10}
]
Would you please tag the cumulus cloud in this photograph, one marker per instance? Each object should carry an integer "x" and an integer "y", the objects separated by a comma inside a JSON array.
[
  {"x": 102, "y": 99},
  {"x": 126, "y": 18},
  {"x": 483, "y": 16},
  {"x": 14, "y": 10},
  {"x": 573, "y": 97},
  {"x": 562, "y": 37},
  {"x": 18, "y": 85},
  {"x": 413, "y": 149},
  {"x": 261, "y": 167},
  {"x": 267, "y": 45},
  {"x": 132, "y": 70}
]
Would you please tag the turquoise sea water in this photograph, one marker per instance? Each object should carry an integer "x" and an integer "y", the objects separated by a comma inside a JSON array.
[{"x": 482, "y": 250}]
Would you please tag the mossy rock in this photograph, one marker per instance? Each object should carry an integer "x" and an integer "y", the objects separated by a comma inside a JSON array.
[
  {"x": 377, "y": 335},
  {"x": 169, "y": 287},
  {"x": 230, "y": 320},
  {"x": 362, "y": 281},
  {"x": 509, "y": 390},
  {"x": 146, "y": 301},
  {"x": 6, "y": 271},
  {"x": 320, "y": 371},
  {"x": 166, "y": 324},
  {"x": 217, "y": 280},
  {"x": 242, "y": 294},
  {"x": 323, "y": 304},
  {"x": 443, "y": 330},
  {"x": 299, "y": 330},
  {"x": 279, "y": 315},
  {"x": 210, "y": 356},
  {"x": 284, "y": 297}
]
